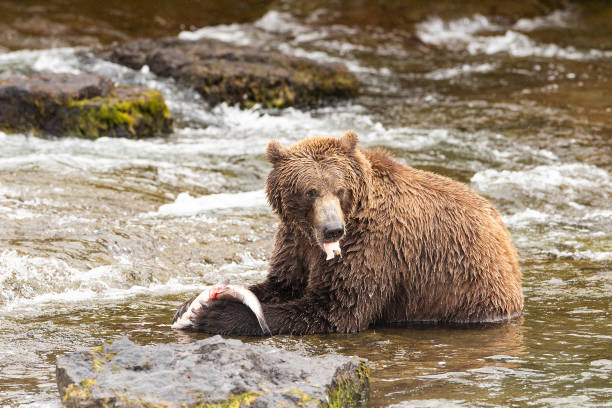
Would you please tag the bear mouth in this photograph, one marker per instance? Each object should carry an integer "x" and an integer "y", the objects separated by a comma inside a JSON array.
[{"x": 332, "y": 249}]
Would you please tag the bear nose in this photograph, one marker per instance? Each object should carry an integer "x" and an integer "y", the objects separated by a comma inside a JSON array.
[{"x": 333, "y": 232}]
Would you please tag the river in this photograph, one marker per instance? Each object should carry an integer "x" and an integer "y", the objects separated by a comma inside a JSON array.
[{"x": 104, "y": 238}]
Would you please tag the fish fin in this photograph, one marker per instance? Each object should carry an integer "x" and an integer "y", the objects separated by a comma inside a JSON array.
[{"x": 264, "y": 326}]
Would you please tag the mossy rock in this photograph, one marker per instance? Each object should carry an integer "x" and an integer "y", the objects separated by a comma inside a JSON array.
[
  {"x": 223, "y": 72},
  {"x": 210, "y": 373},
  {"x": 82, "y": 105}
]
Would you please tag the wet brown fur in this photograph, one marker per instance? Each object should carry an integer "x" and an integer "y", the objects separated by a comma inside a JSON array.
[{"x": 417, "y": 247}]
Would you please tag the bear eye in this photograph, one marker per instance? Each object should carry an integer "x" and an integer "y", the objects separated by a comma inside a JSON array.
[
  {"x": 340, "y": 192},
  {"x": 312, "y": 193}
]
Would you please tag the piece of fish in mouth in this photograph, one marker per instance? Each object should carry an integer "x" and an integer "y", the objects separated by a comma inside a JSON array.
[{"x": 332, "y": 249}]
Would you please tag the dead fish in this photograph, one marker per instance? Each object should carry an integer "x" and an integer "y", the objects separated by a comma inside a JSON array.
[
  {"x": 241, "y": 294},
  {"x": 332, "y": 249},
  {"x": 222, "y": 291}
]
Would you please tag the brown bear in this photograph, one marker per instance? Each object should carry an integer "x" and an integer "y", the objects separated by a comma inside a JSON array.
[{"x": 365, "y": 240}]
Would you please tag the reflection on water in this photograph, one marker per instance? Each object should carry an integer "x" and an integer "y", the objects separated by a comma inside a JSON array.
[{"x": 105, "y": 238}]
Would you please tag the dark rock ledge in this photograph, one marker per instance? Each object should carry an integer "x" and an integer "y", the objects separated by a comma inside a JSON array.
[
  {"x": 223, "y": 72},
  {"x": 214, "y": 372},
  {"x": 83, "y": 105}
]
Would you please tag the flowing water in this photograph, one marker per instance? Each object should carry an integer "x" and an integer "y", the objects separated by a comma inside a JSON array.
[{"x": 104, "y": 238}]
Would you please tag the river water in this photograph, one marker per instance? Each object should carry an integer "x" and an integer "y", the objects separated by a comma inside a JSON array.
[{"x": 104, "y": 238}]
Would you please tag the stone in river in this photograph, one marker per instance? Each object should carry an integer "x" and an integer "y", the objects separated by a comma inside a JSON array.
[
  {"x": 223, "y": 72},
  {"x": 83, "y": 105},
  {"x": 214, "y": 372}
]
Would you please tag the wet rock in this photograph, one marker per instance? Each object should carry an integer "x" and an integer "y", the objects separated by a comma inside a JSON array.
[
  {"x": 83, "y": 105},
  {"x": 222, "y": 72},
  {"x": 214, "y": 372}
]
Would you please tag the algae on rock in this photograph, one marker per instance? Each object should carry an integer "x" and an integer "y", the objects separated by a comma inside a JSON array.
[
  {"x": 222, "y": 72},
  {"x": 82, "y": 105},
  {"x": 131, "y": 112}
]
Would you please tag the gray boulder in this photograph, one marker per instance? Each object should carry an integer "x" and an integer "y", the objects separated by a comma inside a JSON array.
[
  {"x": 214, "y": 372},
  {"x": 83, "y": 105},
  {"x": 223, "y": 72}
]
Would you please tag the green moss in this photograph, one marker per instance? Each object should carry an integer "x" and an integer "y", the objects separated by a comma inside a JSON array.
[
  {"x": 237, "y": 401},
  {"x": 122, "y": 113},
  {"x": 78, "y": 395},
  {"x": 364, "y": 372},
  {"x": 249, "y": 103},
  {"x": 100, "y": 358},
  {"x": 351, "y": 390},
  {"x": 307, "y": 84},
  {"x": 304, "y": 398}
]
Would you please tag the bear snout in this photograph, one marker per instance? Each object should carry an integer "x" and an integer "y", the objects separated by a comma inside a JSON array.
[
  {"x": 333, "y": 231},
  {"x": 328, "y": 219}
]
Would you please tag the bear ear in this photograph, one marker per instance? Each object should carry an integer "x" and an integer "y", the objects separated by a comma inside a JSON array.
[
  {"x": 275, "y": 152},
  {"x": 349, "y": 141}
]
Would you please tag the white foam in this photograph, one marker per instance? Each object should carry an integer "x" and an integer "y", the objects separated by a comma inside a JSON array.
[
  {"x": 587, "y": 255},
  {"x": 184, "y": 159},
  {"x": 464, "y": 34},
  {"x": 247, "y": 131},
  {"x": 18, "y": 213},
  {"x": 232, "y": 33},
  {"x": 27, "y": 281},
  {"x": 186, "y": 205},
  {"x": 552, "y": 182},
  {"x": 528, "y": 217},
  {"x": 49, "y": 60},
  {"x": 232, "y": 131},
  {"x": 600, "y": 215},
  {"x": 437, "y": 31},
  {"x": 247, "y": 268},
  {"x": 603, "y": 364},
  {"x": 280, "y": 22},
  {"x": 461, "y": 70},
  {"x": 556, "y": 19},
  {"x": 258, "y": 33},
  {"x": 265, "y": 32}
]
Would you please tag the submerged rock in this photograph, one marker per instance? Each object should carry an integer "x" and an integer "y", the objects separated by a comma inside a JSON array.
[
  {"x": 214, "y": 372},
  {"x": 83, "y": 105},
  {"x": 223, "y": 72}
]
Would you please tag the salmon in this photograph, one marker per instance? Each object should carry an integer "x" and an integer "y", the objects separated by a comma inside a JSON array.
[
  {"x": 223, "y": 291},
  {"x": 332, "y": 249}
]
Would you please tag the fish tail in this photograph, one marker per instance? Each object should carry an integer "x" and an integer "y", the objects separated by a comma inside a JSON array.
[{"x": 264, "y": 325}]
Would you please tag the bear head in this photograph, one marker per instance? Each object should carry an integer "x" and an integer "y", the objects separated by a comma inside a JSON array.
[{"x": 316, "y": 185}]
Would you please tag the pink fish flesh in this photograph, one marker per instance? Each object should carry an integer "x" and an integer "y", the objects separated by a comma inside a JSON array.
[{"x": 332, "y": 249}]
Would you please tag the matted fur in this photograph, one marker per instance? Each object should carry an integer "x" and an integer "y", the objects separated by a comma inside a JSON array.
[{"x": 418, "y": 247}]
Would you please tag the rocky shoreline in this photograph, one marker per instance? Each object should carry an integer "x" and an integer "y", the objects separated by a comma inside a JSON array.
[{"x": 214, "y": 372}]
